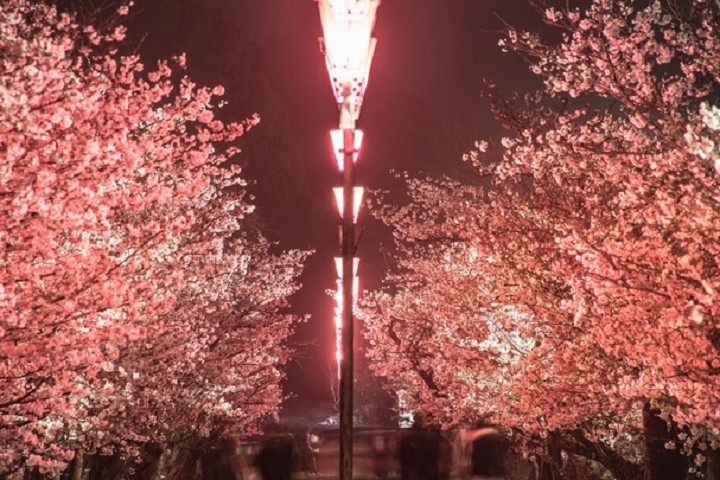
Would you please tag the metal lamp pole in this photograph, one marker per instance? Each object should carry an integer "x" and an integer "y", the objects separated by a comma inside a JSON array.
[
  {"x": 347, "y": 343},
  {"x": 348, "y": 47}
]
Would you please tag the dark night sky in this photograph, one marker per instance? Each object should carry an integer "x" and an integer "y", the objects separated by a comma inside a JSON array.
[{"x": 422, "y": 111}]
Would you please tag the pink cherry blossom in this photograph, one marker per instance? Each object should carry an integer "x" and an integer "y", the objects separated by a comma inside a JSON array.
[
  {"x": 573, "y": 284},
  {"x": 129, "y": 276}
]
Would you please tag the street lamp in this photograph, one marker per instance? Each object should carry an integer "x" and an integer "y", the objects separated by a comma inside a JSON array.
[{"x": 348, "y": 47}]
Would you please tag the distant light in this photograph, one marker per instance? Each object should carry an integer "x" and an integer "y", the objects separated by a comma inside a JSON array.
[
  {"x": 338, "y": 143},
  {"x": 357, "y": 200}
]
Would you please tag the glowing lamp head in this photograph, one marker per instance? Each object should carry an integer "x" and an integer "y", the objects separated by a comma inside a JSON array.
[
  {"x": 338, "y": 143},
  {"x": 348, "y": 46},
  {"x": 357, "y": 199}
]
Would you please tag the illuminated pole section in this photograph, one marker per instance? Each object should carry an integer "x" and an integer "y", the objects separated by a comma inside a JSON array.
[{"x": 348, "y": 47}]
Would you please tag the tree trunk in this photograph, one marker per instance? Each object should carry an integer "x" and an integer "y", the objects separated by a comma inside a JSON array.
[
  {"x": 31, "y": 474},
  {"x": 161, "y": 463},
  {"x": 555, "y": 454},
  {"x": 216, "y": 461},
  {"x": 577, "y": 443},
  {"x": 184, "y": 466},
  {"x": 544, "y": 470},
  {"x": 661, "y": 463},
  {"x": 77, "y": 465},
  {"x": 551, "y": 464},
  {"x": 712, "y": 470}
]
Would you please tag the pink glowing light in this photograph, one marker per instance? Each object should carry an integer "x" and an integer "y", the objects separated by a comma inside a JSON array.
[
  {"x": 339, "y": 266},
  {"x": 339, "y": 308},
  {"x": 338, "y": 337},
  {"x": 338, "y": 318},
  {"x": 357, "y": 199},
  {"x": 338, "y": 143},
  {"x": 339, "y": 293}
]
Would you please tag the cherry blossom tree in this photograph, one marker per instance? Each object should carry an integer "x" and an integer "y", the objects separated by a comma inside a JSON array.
[
  {"x": 138, "y": 302},
  {"x": 569, "y": 291},
  {"x": 210, "y": 369}
]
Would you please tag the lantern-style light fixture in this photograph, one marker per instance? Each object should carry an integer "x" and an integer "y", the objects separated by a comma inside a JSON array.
[
  {"x": 357, "y": 199},
  {"x": 348, "y": 47},
  {"x": 338, "y": 146}
]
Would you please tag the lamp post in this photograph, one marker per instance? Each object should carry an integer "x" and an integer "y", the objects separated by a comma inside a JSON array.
[{"x": 348, "y": 47}]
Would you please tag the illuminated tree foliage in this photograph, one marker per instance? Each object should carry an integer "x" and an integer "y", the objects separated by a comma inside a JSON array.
[
  {"x": 137, "y": 302},
  {"x": 569, "y": 292}
]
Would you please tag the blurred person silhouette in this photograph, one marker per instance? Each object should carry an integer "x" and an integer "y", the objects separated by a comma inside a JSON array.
[
  {"x": 445, "y": 455},
  {"x": 381, "y": 457},
  {"x": 310, "y": 452},
  {"x": 486, "y": 447},
  {"x": 275, "y": 459},
  {"x": 419, "y": 452}
]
